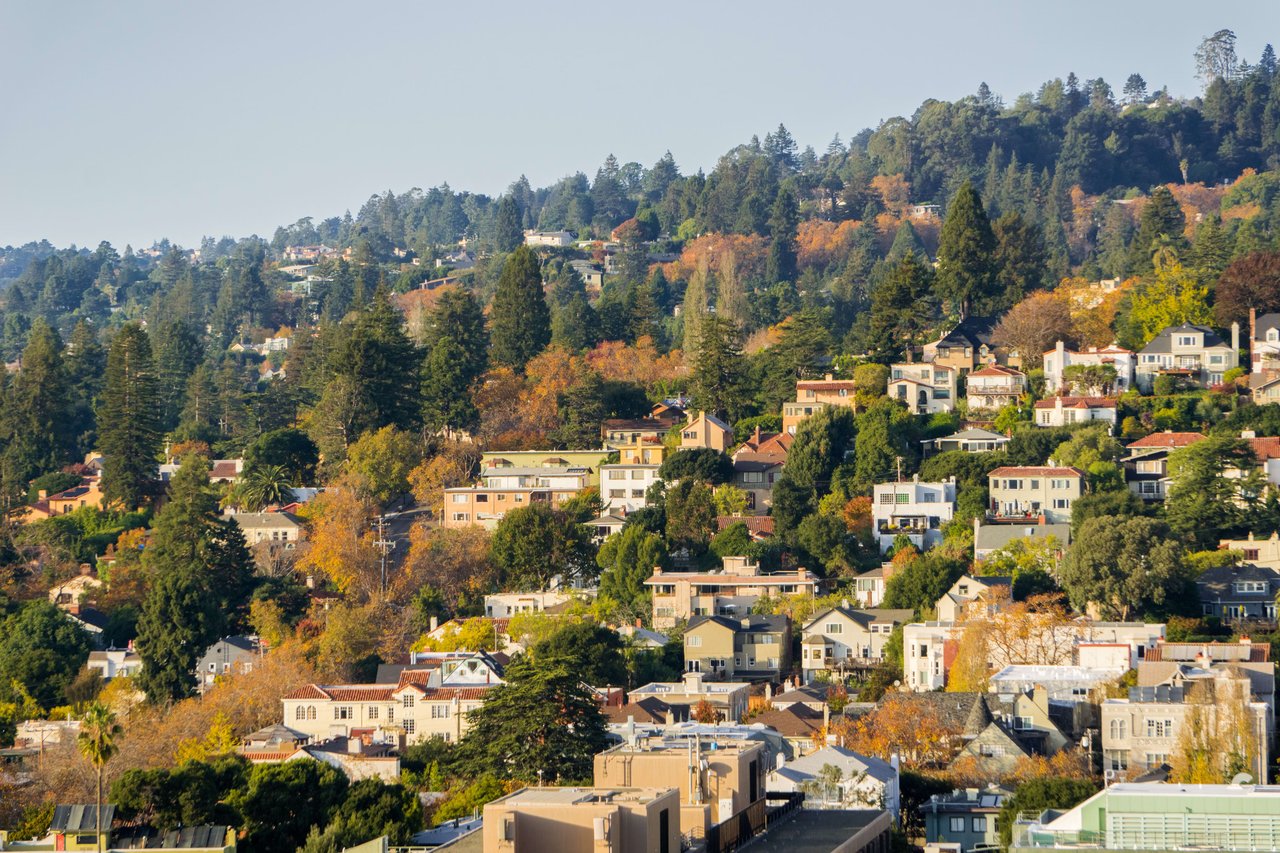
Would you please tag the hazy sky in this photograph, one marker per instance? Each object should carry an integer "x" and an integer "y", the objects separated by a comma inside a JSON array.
[{"x": 131, "y": 121}]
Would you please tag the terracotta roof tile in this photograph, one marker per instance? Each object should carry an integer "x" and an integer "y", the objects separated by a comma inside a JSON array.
[
  {"x": 1078, "y": 402},
  {"x": 1168, "y": 439},
  {"x": 1036, "y": 471}
]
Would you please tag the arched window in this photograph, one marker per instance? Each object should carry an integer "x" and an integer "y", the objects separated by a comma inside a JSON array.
[
  {"x": 300, "y": 714},
  {"x": 311, "y": 712},
  {"x": 1117, "y": 730}
]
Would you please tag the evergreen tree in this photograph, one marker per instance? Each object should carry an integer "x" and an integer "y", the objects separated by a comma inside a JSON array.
[
  {"x": 1161, "y": 225},
  {"x": 1212, "y": 249},
  {"x": 966, "y": 254},
  {"x": 783, "y": 224},
  {"x": 581, "y": 409},
  {"x": 460, "y": 316},
  {"x": 519, "y": 320},
  {"x": 382, "y": 364},
  {"x": 507, "y": 233},
  {"x": 574, "y": 326},
  {"x": 1020, "y": 258},
  {"x": 717, "y": 368},
  {"x": 35, "y": 435},
  {"x": 907, "y": 242},
  {"x": 627, "y": 559},
  {"x": 446, "y": 388},
  {"x": 901, "y": 307},
  {"x": 86, "y": 362},
  {"x": 128, "y": 418},
  {"x": 177, "y": 350}
]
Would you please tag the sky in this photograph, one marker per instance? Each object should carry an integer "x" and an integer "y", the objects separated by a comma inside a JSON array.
[{"x": 133, "y": 121}]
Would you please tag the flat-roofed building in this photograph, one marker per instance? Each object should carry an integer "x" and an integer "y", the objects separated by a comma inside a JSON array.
[
  {"x": 584, "y": 820},
  {"x": 679, "y": 596}
]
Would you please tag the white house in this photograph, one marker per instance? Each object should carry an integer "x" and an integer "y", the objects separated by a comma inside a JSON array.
[
  {"x": 913, "y": 509},
  {"x": 1064, "y": 411},
  {"x": 555, "y": 239},
  {"x": 504, "y": 605},
  {"x": 840, "y": 638},
  {"x": 1058, "y": 359},
  {"x": 1197, "y": 354},
  {"x": 994, "y": 387},
  {"x": 926, "y": 388},
  {"x": 1030, "y": 492},
  {"x": 863, "y": 781},
  {"x": 623, "y": 487}
]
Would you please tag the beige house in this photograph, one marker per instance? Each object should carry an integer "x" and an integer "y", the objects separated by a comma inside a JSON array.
[
  {"x": 726, "y": 777},
  {"x": 815, "y": 394},
  {"x": 584, "y": 820},
  {"x": 706, "y": 431},
  {"x": 727, "y": 697},
  {"x": 679, "y": 596},
  {"x": 87, "y": 494},
  {"x": 503, "y": 489},
  {"x": 969, "y": 589},
  {"x": 70, "y": 591},
  {"x": 275, "y": 527},
  {"x": 994, "y": 387},
  {"x": 925, "y": 388},
  {"x": 1031, "y": 492},
  {"x": 1065, "y": 411},
  {"x": 750, "y": 647},
  {"x": 842, "y": 638},
  {"x": 1260, "y": 552}
]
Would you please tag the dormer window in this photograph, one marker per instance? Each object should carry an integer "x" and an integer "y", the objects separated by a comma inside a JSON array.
[
  {"x": 1186, "y": 340},
  {"x": 1273, "y": 335}
]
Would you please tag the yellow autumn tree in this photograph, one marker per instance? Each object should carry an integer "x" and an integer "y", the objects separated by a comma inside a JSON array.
[
  {"x": 219, "y": 740},
  {"x": 340, "y": 544},
  {"x": 899, "y": 726},
  {"x": 1171, "y": 295},
  {"x": 1216, "y": 740}
]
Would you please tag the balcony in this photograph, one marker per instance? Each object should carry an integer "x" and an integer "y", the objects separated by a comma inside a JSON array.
[{"x": 908, "y": 526}]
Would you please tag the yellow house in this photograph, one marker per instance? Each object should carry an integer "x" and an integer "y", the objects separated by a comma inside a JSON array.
[{"x": 707, "y": 431}]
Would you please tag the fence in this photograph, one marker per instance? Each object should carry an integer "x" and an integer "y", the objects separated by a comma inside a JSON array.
[{"x": 754, "y": 819}]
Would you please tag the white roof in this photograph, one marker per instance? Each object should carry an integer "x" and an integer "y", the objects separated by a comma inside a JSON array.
[{"x": 850, "y": 763}]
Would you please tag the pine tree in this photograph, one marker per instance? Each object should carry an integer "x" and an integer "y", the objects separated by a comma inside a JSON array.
[
  {"x": 1161, "y": 224},
  {"x": 1020, "y": 257},
  {"x": 460, "y": 316},
  {"x": 382, "y": 364},
  {"x": 507, "y": 233},
  {"x": 901, "y": 307},
  {"x": 128, "y": 418},
  {"x": 783, "y": 224},
  {"x": 717, "y": 368},
  {"x": 519, "y": 320},
  {"x": 38, "y": 440},
  {"x": 906, "y": 241},
  {"x": 574, "y": 326},
  {"x": 177, "y": 352},
  {"x": 86, "y": 361},
  {"x": 966, "y": 253},
  {"x": 1212, "y": 248},
  {"x": 446, "y": 388}
]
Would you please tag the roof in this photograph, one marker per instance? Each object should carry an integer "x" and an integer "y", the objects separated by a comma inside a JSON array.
[
  {"x": 852, "y": 763},
  {"x": 660, "y": 424},
  {"x": 971, "y": 434},
  {"x": 344, "y": 692},
  {"x": 78, "y": 818},
  {"x": 744, "y": 464},
  {"x": 826, "y": 385},
  {"x": 1241, "y": 651},
  {"x": 1077, "y": 403},
  {"x": 755, "y": 623},
  {"x": 1167, "y": 439},
  {"x": 266, "y": 520},
  {"x": 1163, "y": 342},
  {"x": 1264, "y": 322},
  {"x": 796, "y": 720},
  {"x": 708, "y": 579},
  {"x": 971, "y": 331},
  {"x": 649, "y": 709},
  {"x": 1265, "y": 448},
  {"x": 863, "y": 617},
  {"x": 183, "y": 838},
  {"x": 1035, "y": 471},
  {"x": 996, "y": 370},
  {"x": 992, "y": 536},
  {"x": 758, "y": 524}
]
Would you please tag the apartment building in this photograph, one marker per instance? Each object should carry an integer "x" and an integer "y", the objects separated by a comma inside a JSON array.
[
  {"x": 840, "y": 639},
  {"x": 815, "y": 394},
  {"x": 679, "y": 596},
  {"x": 1058, "y": 359},
  {"x": 925, "y": 388},
  {"x": 584, "y": 820},
  {"x": 728, "y": 697},
  {"x": 914, "y": 509},
  {"x": 1195, "y": 354},
  {"x": 993, "y": 387},
  {"x": 506, "y": 488},
  {"x": 1030, "y": 492},
  {"x": 1146, "y": 462}
]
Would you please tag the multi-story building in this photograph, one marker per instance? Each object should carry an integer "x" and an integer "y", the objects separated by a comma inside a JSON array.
[
  {"x": 1146, "y": 462},
  {"x": 1152, "y": 817},
  {"x": 278, "y": 528},
  {"x": 229, "y": 656},
  {"x": 507, "y": 488},
  {"x": 913, "y": 509},
  {"x": 1238, "y": 592},
  {"x": 1264, "y": 343},
  {"x": 706, "y": 431},
  {"x": 994, "y": 590},
  {"x": 1029, "y": 492},
  {"x": 588, "y": 459},
  {"x": 757, "y": 464},
  {"x": 839, "y": 639},
  {"x": 967, "y": 346},
  {"x": 625, "y": 432},
  {"x": 729, "y": 698},
  {"x": 1196, "y": 354},
  {"x": 1058, "y": 359},
  {"x": 1261, "y": 552},
  {"x": 925, "y": 388},
  {"x": 724, "y": 778},
  {"x": 815, "y": 394},
  {"x": 993, "y": 387},
  {"x": 965, "y": 818},
  {"x": 623, "y": 487},
  {"x": 748, "y": 647},
  {"x": 504, "y": 605},
  {"x": 584, "y": 820},
  {"x": 1066, "y": 411},
  {"x": 679, "y": 596},
  {"x": 869, "y": 587}
]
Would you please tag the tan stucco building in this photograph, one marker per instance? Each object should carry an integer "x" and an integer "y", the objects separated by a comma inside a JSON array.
[{"x": 584, "y": 820}]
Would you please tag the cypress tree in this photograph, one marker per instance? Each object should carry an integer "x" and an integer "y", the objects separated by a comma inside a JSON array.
[
  {"x": 1161, "y": 223},
  {"x": 519, "y": 321},
  {"x": 507, "y": 232},
  {"x": 966, "y": 253},
  {"x": 783, "y": 224},
  {"x": 128, "y": 419}
]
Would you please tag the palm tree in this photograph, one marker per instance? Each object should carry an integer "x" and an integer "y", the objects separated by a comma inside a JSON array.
[
  {"x": 265, "y": 485},
  {"x": 97, "y": 743}
]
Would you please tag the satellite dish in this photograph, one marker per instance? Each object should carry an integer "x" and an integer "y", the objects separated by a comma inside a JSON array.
[{"x": 1241, "y": 779}]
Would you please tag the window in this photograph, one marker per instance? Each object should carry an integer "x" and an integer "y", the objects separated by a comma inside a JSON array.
[
  {"x": 409, "y": 727},
  {"x": 1160, "y": 728},
  {"x": 343, "y": 712},
  {"x": 886, "y": 497},
  {"x": 1035, "y": 485},
  {"x": 1013, "y": 485},
  {"x": 752, "y": 477},
  {"x": 1115, "y": 759},
  {"x": 311, "y": 712},
  {"x": 462, "y": 516},
  {"x": 1060, "y": 484},
  {"x": 902, "y": 498},
  {"x": 617, "y": 493},
  {"x": 1061, "y": 503},
  {"x": 957, "y": 824},
  {"x": 834, "y": 628},
  {"x": 1215, "y": 359},
  {"x": 407, "y": 700},
  {"x": 693, "y": 642},
  {"x": 373, "y": 712},
  {"x": 1252, "y": 553},
  {"x": 1117, "y": 729},
  {"x": 979, "y": 824},
  {"x": 300, "y": 713},
  {"x": 1023, "y": 723},
  {"x": 1155, "y": 759},
  {"x": 1250, "y": 586},
  {"x": 1186, "y": 340},
  {"x": 458, "y": 499},
  {"x": 482, "y": 499},
  {"x": 439, "y": 712}
]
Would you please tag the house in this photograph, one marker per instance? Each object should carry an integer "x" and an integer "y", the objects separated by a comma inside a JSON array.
[
  {"x": 1244, "y": 591},
  {"x": 966, "y": 817},
  {"x": 914, "y": 509},
  {"x": 989, "y": 538},
  {"x": 842, "y": 638},
  {"x": 1184, "y": 664},
  {"x": 870, "y": 586},
  {"x": 993, "y": 387},
  {"x": 1065, "y": 411},
  {"x": 1058, "y": 359},
  {"x": 507, "y": 488},
  {"x": 623, "y": 486},
  {"x": 729, "y": 592},
  {"x": 1264, "y": 343},
  {"x": 815, "y": 394},
  {"x": 1196, "y": 354},
  {"x": 507, "y": 459},
  {"x": 650, "y": 710},
  {"x": 220, "y": 470},
  {"x": 727, "y": 697},
  {"x": 991, "y": 746},
  {"x": 971, "y": 440},
  {"x": 609, "y": 523},
  {"x": 729, "y": 775},
  {"x": 553, "y": 239},
  {"x": 759, "y": 527},
  {"x": 87, "y": 494},
  {"x": 863, "y": 781},
  {"x": 968, "y": 589},
  {"x": 969, "y": 345},
  {"x": 358, "y": 757},
  {"x": 771, "y": 446},
  {"x": 504, "y": 605},
  {"x": 742, "y": 648},
  {"x": 277, "y": 528},
  {"x": 1265, "y": 387},
  {"x": 584, "y": 820},
  {"x": 1267, "y": 453},
  {"x": 228, "y": 656},
  {"x": 1141, "y": 732},
  {"x": 1146, "y": 462},
  {"x": 756, "y": 477},
  {"x": 75, "y": 589},
  {"x": 1155, "y": 816},
  {"x": 925, "y": 388},
  {"x": 1030, "y": 492},
  {"x": 115, "y": 663},
  {"x": 706, "y": 431},
  {"x": 651, "y": 429},
  {"x": 458, "y": 259},
  {"x": 1260, "y": 552},
  {"x": 798, "y": 724}
]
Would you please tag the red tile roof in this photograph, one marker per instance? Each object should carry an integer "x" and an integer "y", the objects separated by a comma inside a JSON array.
[
  {"x": 1265, "y": 448},
  {"x": 1078, "y": 403},
  {"x": 758, "y": 524},
  {"x": 826, "y": 385},
  {"x": 1036, "y": 471},
  {"x": 1168, "y": 439},
  {"x": 310, "y": 691},
  {"x": 997, "y": 370}
]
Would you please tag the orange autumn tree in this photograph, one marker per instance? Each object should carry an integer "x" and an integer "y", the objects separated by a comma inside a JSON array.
[
  {"x": 914, "y": 732},
  {"x": 340, "y": 541},
  {"x": 706, "y": 713},
  {"x": 995, "y": 631},
  {"x": 894, "y": 191}
]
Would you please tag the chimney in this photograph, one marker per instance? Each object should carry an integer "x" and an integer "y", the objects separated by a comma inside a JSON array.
[
  {"x": 693, "y": 682},
  {"x": 1253, "y": 325},
  {"x": 1235, "y": 339},
  {"x": 844, "y": 603},
  {"x": 435, "y": 621},
  {"x": 86, "y": 569},
  {"x": 42, "y": 494},
  {"x": 826, "y": 717}
]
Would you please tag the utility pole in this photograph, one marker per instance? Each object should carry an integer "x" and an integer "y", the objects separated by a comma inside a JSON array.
[{"x": 385, "y": 545}]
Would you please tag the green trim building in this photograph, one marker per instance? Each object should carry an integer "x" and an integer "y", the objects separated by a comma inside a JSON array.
[{"x": 1159, "y": 817}]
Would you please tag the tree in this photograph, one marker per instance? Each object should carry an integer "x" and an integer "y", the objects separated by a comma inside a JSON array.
[
  {"x": 380, "y": 463},
  {"x": 1020, "y": 256},
  {"x": 380, "y": 366},
  {"x": 916, "y": 733},
  {"x": 699, "y": 463},
  {"x": 1124, "y": 565},
  {"x": 781, "y": 264},
  {"x": 1162, "y": 223},
  {"x": 283, "y": 801},
  {"x": 918, "y": 582},
  {"x": 717, "y": 368},
  {"x": 289, "y": 449},
  {"x": 1216, "y": 740},
  {"x": 691, "y": 516},
  {"x": 882, "y": 443},
  {"x": 128, "y": 418},
  {"x": 580, "y": 409},
  {"x": 33, "y": 427},
  {"x": 592, "y": 652},
  {"x": 507, "y": 233},
  {"x": 1216, "y": 57},
  {"x": 627, "y": 559},
  {"x": 542, "y": 726},
  {"x": 1252, "y": 281},
  {"x": 1035, "y": 325},
  {"x": 1203, "y": 503},
  {"x": 265, "y": 485},
  {"x": 97, "y": 743},
  {"x": 340, "y": 541},
  {"x": 902, "y": 307},
  {"x": 453, "y": 563},
  {"x": 1170, "y": 296},
  {"x": 519, "y": 320},
  {"x": 535, "y": 543},
  {"x": 966, "y": 253},
  {"x": 373, "y": 808},
  {"x": 459, "y": 315},
  {"x": 41, "y": 650},
  {"x": 1135, "y": 89},
  {"x": 1036, "y": 795}
]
